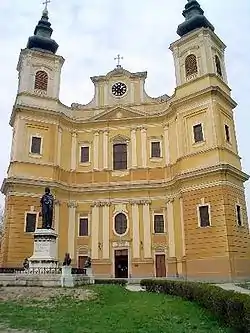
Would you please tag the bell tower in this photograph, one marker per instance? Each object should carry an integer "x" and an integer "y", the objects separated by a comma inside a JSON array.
[
  {"x": 199, "y": 51},
  {"x": 39, "y": 67}
]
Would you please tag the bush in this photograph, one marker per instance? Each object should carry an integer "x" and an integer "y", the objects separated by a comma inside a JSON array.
[
  {"x": 110, "y": 281},
  {"x": 231, "y": 307}
]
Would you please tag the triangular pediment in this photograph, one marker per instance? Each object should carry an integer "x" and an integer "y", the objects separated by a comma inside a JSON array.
[{"x": 118, "y": 113}]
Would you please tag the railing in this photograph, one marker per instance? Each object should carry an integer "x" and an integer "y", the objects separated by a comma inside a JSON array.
[{"x": 49, "y": 270}]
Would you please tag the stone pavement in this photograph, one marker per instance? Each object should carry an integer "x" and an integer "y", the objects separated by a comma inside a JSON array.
[
  {"x": 231, "y": 286},
  {"x": 134, "y": 287}
]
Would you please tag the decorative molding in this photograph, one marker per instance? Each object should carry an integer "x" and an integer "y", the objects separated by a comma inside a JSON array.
[
  {"x": 57, "y": 202},
  {"x": 72, "y": 204},
  {"x": 120, "y": 243}
]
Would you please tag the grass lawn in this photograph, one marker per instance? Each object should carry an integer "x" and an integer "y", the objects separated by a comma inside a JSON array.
[{"x": 113, "y": 309}]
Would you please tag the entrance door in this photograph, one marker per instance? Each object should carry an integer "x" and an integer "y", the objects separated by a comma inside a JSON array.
[
  {"x": 160, "y": 265},
  {"x": 81, "y": 261},
  {"x": 121, "y": 264}
]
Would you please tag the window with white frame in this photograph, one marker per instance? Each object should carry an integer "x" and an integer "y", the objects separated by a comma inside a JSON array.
[
  {"x": 198, "y": 133},
  {"x": 239, "y": 215},
  {"x": 84, "y": 154},
  {"x": 120, "y": 156},
  {"x": 83, "y": 226},
  {"x": 204, "y": 216},
  {"x": 159, "y": 224},
  {"x": 30, "y": 222},
  {"x": 36, "y": 145},
  {"x": 155, "y": 149}
]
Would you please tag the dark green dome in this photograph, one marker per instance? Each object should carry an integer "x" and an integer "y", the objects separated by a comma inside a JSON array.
[
  {"x": 42, "y": 36},
  {"x": 194, "y": 19}
]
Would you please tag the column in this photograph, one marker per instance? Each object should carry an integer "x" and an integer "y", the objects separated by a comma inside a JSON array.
[
  {"x": 144, "y": 147},
  {"x": 134, "y": 148},
  {"x": 72, "y": 228},
  {"x": 105, "y": 149},
  {"x": 170, "y": 223},
  {"x": 96, "y": 150},
  {"x": 177, "y": 67},
  {"x": 73, "y": 151},
  {"x": 182, "y": 228},
  {"x": 177, "y": 139},
  {"x": 56, "y": 222},
  {"x": 136, "y": 229},
  {"x": 146, "y": 229},
  {"x": 95, "y": 230},
  {"x": 105, "y": 228},
  {"x": 166, "y": 144},
  {"x": 59, "y": 146}
]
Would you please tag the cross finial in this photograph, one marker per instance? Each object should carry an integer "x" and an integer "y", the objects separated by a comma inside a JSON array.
[
  {"x": 46, "y": 4},
  {"x": 118, "y": 58}
]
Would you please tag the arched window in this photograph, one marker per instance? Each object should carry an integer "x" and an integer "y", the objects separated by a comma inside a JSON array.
[
  {"x": 41, "y": 80},
  {"x": 121, "y": 224},
  {"x": 218, "y": 65},
  {"x": 191, "y": 67},
  {"x": 120, "y": 156}
]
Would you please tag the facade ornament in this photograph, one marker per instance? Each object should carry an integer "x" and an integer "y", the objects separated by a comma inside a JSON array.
[{"x": 72, "y": 204}]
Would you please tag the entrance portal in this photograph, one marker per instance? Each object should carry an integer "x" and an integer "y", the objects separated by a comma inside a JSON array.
[
  {"x": 160, "y": 265},
  {"x": 121, "y": 264}
]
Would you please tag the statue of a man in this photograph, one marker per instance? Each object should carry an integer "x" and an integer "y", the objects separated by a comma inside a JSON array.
[{"x": 47, "y": 202}]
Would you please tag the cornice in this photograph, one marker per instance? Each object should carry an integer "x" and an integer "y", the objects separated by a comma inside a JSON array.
[{"x": 177, "y": 180}]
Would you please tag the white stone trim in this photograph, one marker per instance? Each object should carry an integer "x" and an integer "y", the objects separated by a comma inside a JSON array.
[
  {"x": 203, "y": 134},
  {"x": 25, "y": 216},
  {"x": 83, "y": 216},
  {"x": 134, "y": 148},
  {"x": 183, "y": 236},
  {"x": 59, "y": 146},
  {"x": 114, "y": 215},
  {"x": 154, "y": 212},
  {"x": 166, "y": 145},
  {"x": 96, "y": 151},
  {"x": 203, "y": 204},
  {"x": 105, "y": 149},
  {"x": 144, "y": 147},
  {"x": 73, "y": 150},
  {"x": 126, "y": 247},
  {"x": 86, "y": 145},
  {"x": 152, "y": 140},
  {"x": 72, "y": 228},
  {"x": 36, "y": 135}
]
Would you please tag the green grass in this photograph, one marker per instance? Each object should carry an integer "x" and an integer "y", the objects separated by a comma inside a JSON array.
[{"x": 114, "y": 310}]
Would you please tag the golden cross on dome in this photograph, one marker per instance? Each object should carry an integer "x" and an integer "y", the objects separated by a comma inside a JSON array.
[
  {"x": 118, "y": 58},
  {"x": 46, "y": 4}
]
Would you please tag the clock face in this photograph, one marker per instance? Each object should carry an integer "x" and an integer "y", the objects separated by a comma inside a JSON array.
[{"x": 119, "y": 89}]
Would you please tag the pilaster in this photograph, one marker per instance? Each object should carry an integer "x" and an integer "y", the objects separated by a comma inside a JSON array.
[
  {"x": 59, "y": 146},
  {"x": 170, "y": 228},
  {"x": 56, "y": 221},
  {"x": 136, "y": 229},
  {"x": 146, "y": 229},
  {"x": 96, "y": 150},
  {"x": 73, "y": 151},
  {"x": 72, "y": 205},
  {"x": 95, "y": 230},
  {"x": 134, "y": 148},
  {"x": 166, "y": 144},
  {"x": 105, "y": 149},
  {"x": 144, "y": 146},
  {"x": 105, "y": 229}
]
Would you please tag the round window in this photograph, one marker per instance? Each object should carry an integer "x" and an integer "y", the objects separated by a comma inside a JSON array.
[{"x": 121, "y": 224}]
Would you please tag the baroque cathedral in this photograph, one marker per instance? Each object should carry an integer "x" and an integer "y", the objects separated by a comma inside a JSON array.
[{"x": 147, "y": 187}]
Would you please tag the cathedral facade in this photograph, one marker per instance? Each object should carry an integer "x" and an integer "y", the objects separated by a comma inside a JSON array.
[{"x": 144, "y": 186}]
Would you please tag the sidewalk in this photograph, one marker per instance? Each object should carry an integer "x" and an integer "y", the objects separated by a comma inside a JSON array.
[{"x": 231, "y": 286}]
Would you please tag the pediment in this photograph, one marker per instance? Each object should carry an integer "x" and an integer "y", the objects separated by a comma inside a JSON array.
[{"x": 118, "y": 113}]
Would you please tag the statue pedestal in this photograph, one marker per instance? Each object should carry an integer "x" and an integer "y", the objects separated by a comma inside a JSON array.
[
  {"x": 66, "y": 277},
  {"x": 44, "y": 255},
  {"x": 89, "y": 273}
]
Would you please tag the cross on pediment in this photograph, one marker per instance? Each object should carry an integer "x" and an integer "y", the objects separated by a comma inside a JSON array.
[{"x": 118, "y": 58}]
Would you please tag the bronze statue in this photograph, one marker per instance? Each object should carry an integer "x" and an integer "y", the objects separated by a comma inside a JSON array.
[
  {"x": 67, "y": 260},
  {"x": 47, "y": 202}
]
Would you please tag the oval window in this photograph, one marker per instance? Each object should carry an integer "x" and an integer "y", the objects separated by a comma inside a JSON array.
[{"x": 121, "y": 224}]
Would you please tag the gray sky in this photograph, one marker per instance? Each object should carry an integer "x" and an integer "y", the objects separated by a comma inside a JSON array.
[{"x": 90, "y": 34}]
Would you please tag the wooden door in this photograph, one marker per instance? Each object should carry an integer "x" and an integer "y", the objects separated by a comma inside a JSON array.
[
  {"x": 81, "y": 261},
  {"x": 160, "y": 265}
]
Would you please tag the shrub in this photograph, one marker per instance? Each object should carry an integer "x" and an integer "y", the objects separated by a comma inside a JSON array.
[
  {"x": 111, "y": 281},
  {"x": 231, "y": 307}
]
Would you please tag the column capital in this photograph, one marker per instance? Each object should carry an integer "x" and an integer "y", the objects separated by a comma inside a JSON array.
[
  {"x": 73, "y": 133},
  {"x": 97, "y": 132},
  {"x": 135, "y": 202},
  {"x": 57, "y": 202},
  {"x": 146, "y": 202},
  {"x": 170, "y": 200},
  {"x": 60, "y": 129},
  {"x": 72, "y": 204},
  {"x": 166, "y": 126}
]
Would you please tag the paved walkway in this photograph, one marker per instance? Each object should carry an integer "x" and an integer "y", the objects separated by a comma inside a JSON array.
[
  {"x": 134, "y": 287},
  {"x": 231, "y": 286}
]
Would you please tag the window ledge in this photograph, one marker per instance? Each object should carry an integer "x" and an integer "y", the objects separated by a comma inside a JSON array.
[
  {"x": 209, "y": 226},
  {"x": 199, "y": 143},
  {"x": 83, "y": 236},
  {"x": 156, "y": 159},
  {"x": 84, "y": 163},
  {"x": 120, "y": 173},
  {"x": 33, "y": 155},
  {"x": 159, "y": 233}
]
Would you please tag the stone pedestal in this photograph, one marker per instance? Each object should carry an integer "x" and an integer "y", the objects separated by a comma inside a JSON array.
[
  {"x": 66, "y": 277},
  {"x": 90, "y": 275},
  {"x": 44, "y": 256}
]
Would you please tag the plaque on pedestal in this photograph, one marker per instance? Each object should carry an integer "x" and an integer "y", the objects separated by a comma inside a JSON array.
[{"x": 44, "y": 254}]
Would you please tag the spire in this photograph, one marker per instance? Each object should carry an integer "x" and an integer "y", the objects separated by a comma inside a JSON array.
[
  {"x": 194, "y": 19},
  {"x": 42, "y": 35}
]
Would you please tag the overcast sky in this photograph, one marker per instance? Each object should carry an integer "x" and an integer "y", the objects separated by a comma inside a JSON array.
[{"x": 91, "y": 32}]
